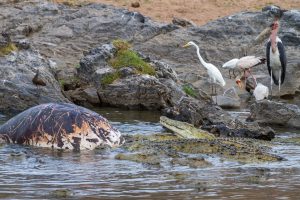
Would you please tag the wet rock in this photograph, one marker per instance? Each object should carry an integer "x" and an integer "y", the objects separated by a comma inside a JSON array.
[
  {"x": 191, "y": 162},
  {"x": 145, "y": 158},
  {"x": 227, "y": 102},
  {"x": 61, "y": 193},
  {"x": 276, "y": 113},
  {"x": 212, "y": 118}
]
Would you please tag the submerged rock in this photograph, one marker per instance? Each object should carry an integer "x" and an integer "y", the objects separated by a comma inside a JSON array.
[{"x": 276, "y": 113}]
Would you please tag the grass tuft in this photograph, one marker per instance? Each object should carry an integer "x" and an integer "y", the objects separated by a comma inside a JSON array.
[
  {"x": 121, "y": 44},
  {"x": 129, "y": 58},
  {"x": 189, "y": 91},
  {"x": 7, "y": 49},
  {"x": 110, "y": 78}
]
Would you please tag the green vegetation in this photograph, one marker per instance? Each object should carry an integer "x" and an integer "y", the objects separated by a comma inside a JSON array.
[
  {"x": 129, "y": 58},
  {"x": 189, "y": 91},
  {"x": 121, "y": 44},
  {"x": 7, "y": 49},
  {"x": 72, "y": 82},
  {"x": 125, "y": 57},
  {"x": 109, "y": 78}
]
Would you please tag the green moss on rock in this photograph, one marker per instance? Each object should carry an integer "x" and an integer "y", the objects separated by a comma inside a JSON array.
[{"x": 7, "y": 49}]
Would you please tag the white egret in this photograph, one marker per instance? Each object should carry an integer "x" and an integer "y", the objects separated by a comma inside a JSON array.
[{"x": 212, "y": 71}]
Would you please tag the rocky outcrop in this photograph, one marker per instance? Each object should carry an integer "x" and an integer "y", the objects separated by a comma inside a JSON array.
[
  {"x": 224, "y": 39},
  {"x": 65, "y": 33},
  {"x": 130, "y": 90},
  {"x": 275, "y": 113},
  {"x": 210, "y": 117},
  {"x": 17, "y": 91}
]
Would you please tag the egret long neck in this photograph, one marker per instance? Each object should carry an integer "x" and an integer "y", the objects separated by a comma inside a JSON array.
[{"x": 200, "y": 58}]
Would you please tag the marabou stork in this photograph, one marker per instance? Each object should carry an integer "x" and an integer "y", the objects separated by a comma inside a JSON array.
[
  {"x": 276, "y": 57},
  {"x": 212, "y": 71}
]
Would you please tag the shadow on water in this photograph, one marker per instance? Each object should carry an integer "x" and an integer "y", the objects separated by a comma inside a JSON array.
[{"x": 37, "y": 173}]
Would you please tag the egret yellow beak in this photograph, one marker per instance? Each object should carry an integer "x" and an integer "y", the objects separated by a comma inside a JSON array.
[{"x": 186, "y": 45}]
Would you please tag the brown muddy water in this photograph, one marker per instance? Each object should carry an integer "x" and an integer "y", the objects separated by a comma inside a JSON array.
[{"x": 37, "y": 173}]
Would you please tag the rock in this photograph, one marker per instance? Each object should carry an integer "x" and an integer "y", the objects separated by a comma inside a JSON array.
[
  {"x": 126, "y": 71},
  {"x": 275, "y": 113},
  {"x": 202, "y": 113},
  {"x": 182, "y": 22},
  {"x": 135, "y": 4},
  {"x": 135, "y": 92},
  {"x": 62, "y": 32},
  {"x": 226, "y": 102},
  {"x": 84, "y": 96},
  {"x": 17, "y": 92}
]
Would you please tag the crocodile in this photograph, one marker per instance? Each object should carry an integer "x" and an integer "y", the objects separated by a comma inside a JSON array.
[
  {"x": 189, "y": 140},
  {"x": 184, "y": 129},
  {"x": 189, "y": 131}
]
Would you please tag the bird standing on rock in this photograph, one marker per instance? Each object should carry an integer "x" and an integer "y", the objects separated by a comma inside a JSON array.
[
  {"x": 37, "y": 80},
  {"x": 212, "y": 71},
  {"x": 276, "y": 57}
]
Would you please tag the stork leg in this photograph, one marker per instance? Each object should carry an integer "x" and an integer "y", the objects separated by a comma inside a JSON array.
[
  {"x": 279, "y": 77},
  {"x": 229, "y": 74},
  {"x": 271, "y": 82}
]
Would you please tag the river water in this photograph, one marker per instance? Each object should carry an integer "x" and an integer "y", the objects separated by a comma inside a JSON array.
[{"x": 37, "y": 173}]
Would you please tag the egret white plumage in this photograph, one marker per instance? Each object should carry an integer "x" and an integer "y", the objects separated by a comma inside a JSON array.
[
  {"x": 231, "y": 65},
  {"x": 212, "y": 71},
  {"x": 276, "y": 57},
  {"x": 261, "y": 92}
]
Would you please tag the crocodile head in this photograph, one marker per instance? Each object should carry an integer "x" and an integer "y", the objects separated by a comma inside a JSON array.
[{"x": 185, "y": 130}]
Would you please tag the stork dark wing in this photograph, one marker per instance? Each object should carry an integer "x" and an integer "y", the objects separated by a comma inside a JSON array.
[
  {"x": 283, "y": 60},
  {"x": 268, "y": 56}
]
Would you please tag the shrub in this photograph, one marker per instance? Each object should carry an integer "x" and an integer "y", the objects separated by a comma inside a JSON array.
[
  {"x": 189, "y": 91},
  {"x": 7, "y": 49}
]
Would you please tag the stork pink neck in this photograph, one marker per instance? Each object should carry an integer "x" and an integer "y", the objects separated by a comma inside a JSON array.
[{"x": 273, "y": 36}]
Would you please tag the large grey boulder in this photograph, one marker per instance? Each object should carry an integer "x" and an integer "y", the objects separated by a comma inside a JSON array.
[
  {"x": 135, "y": 92},
  {"x": 276, "y": 113},
  {"x": 130, "y": 90},
  {"x": 17, "y": 91}
]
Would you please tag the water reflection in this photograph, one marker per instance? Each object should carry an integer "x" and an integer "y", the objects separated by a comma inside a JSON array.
[{"x": 37, "y": 173}]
